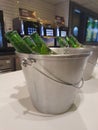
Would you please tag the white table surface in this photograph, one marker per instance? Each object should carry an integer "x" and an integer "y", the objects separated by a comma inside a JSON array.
[{"x": 18, "y": 113}]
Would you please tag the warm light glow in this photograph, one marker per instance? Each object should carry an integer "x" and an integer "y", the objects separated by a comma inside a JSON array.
[{"x": 17, "y": 1}]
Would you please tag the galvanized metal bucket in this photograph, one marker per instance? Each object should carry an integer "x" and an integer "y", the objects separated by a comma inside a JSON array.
[
  {"x": 89, "y": 69},
  {"x": 53, "y": 80},
  {"x": 91, "y": 61}
]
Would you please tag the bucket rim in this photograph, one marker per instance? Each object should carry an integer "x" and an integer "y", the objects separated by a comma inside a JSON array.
[{"x": 59, "y": 56}]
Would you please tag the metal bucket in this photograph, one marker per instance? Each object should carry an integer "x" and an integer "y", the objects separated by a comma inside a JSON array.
[
  {"x": 53, "y": 80},
  {"x": 91, "y": 62}
]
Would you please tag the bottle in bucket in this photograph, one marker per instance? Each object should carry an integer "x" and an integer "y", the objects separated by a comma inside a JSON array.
[
  {"x": 71, "y": 42},
  {"x": 61, "y": 41},
  {"x": 41, "y": 45},
  {"x": 18, "y": 42},
  {"x": 76, "y": 42},
  {"x": 31, "y": 44}
]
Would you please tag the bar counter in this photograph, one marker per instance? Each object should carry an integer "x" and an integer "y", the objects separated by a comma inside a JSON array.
[{"x": 17, "y": 111}]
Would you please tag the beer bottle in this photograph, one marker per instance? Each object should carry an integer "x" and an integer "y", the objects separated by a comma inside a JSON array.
[
  {"x": 70, "y": 42},
  {"x": 76, "y": 42},
  {"x": 18, "y": 42},
  {"x": 95, "y": 31},
  {"x": 62, "y": 42},
  {"x": 31, "y": 44},
  {"x": 41, "y": 45},
  {"x": 89, "y": 30}
]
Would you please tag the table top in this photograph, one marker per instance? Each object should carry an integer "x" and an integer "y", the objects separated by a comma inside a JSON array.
[{"x": 17, "y": 111}]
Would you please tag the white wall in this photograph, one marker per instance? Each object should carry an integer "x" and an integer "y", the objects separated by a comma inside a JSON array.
[
  {"x": 11, "y": 10},
  {"x": 62, "y": 9},
  {"x": 44, "y": 10}
]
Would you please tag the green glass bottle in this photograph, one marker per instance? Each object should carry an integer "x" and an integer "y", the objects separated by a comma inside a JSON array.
[
  {"x": 41, "y": 45},
  {"x": 89, "y": 33},
  {"x": 62, "y": 42},
  {"x": 17, "y": 42},
  {"x": 76, "y": 42},
  {"x": 95, "y": 30},
  {"x": 70, "y": 42},
  {"x": 31, "y": 44}
]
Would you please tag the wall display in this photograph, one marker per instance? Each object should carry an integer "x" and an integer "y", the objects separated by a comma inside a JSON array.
[
  {"x": 48, "y": 34},
  {"x": 83, "y": 24},
  {"x": 61, "y": 31},
  {"x": 59, "y": 21},
  {"x": 92, "y": 30},
  {"x": 27, "y": 14},
  {"x": 25, "y": 27}
]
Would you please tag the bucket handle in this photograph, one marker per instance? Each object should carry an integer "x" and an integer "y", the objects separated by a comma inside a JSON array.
[{"x": 29, "y": 61}]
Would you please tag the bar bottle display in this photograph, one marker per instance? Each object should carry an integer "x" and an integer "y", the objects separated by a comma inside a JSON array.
[
  {"x": 31, "y": 44},
  {"x": 41, "y": 45},
  {"x": 19, "y": 44}
]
